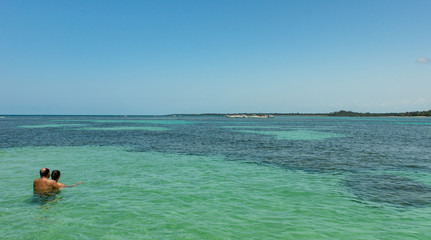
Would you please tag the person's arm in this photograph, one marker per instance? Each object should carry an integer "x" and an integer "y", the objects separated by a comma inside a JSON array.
[
  {"x": 72, "y": 185},
  {"x": 56, "y": 185}
]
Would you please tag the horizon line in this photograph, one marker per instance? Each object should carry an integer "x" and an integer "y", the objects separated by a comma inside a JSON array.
[{"x": 227, "y": 113}]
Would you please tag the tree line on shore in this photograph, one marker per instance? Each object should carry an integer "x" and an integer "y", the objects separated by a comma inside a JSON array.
[{"x": 343, "y": 113}]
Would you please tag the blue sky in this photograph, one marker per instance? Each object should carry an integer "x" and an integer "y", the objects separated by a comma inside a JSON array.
[{"x": 162, "y": 57}]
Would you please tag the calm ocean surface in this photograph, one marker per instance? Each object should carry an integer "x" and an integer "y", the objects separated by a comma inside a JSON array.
[{"x": 217, "y": 178}]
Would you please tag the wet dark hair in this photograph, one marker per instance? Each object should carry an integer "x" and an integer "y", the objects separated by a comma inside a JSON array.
[
  {"x": 44, "y": 172},
  {"x": 55, "y": 175}
]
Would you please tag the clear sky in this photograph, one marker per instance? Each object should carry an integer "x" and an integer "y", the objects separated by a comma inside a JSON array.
[{"x": 201, "y": 56}]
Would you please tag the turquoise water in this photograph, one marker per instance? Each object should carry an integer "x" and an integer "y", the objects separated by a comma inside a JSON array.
[
  {"x": 318, "y": 178},
  {"x": 129, "y": 128},
  {"x": 296, "y": 134},
  {"x": 54, "y": 125}
]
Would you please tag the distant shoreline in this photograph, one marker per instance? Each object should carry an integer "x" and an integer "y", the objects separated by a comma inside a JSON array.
[{"x": 341, "y": 113}]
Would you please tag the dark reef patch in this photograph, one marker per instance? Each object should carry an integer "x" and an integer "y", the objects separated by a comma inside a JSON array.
[{"x": 389, "y": 189}]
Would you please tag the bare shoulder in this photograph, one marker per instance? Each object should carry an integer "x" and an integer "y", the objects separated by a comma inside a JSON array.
[
  {"x": 38, "y": 181},
  {"x": 53, "y": 183}
]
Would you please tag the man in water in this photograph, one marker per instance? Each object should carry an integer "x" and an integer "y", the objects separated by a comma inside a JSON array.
[
  {"x": 56, "y": 176},
  {"x": 44, "y": 184}
]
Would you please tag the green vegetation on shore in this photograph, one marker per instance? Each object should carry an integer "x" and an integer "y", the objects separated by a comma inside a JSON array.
[{"x": 341, "y": 113}]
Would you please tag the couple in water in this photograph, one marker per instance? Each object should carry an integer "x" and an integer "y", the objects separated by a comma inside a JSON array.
[{"x": 46, "y": 185}]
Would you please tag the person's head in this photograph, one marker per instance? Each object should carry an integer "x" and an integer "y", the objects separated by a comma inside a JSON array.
[
  {"x": 55, "y": 175},
  {"x": 44, "y": 172}
]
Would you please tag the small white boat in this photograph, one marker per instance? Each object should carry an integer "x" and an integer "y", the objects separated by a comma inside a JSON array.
[
  {"x": 236, "y": 116},
  {"x": 249, "y": 116}
]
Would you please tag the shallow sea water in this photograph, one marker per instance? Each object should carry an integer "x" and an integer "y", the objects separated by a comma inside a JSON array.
[{"x": 217, "y": 178}]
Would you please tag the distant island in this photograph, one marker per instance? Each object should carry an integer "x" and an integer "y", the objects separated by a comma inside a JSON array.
[{"x": 341, "y": 113}]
